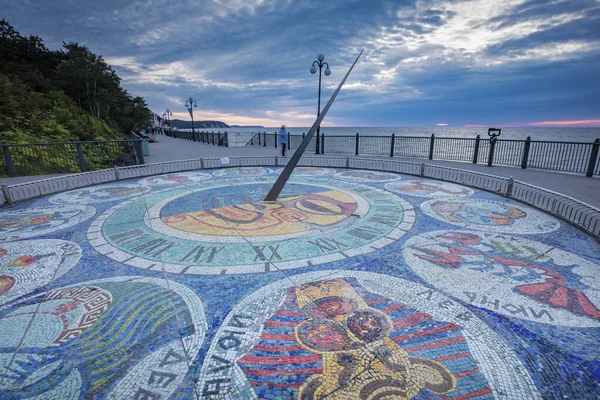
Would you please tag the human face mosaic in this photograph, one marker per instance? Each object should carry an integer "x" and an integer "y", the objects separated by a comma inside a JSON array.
[
  {"x": 355, "y": 284},
  {"x": 350, "y": 334}
]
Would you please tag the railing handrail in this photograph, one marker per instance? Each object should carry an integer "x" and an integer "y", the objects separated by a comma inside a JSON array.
[
  {"x": 577, "y": 157},
  {"x": 81, "y": 142},
  {"x": 436, "y": 138}
]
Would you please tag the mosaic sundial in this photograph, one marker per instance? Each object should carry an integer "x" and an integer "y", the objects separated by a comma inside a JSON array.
[
  {"x": 224, "y": 227},
  {"x": 395, "y": 287}
]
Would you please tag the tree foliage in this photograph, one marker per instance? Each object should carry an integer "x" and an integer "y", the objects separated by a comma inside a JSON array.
[{"x": 60, "y": 95}]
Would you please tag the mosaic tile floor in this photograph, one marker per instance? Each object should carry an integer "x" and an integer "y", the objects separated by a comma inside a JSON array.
[{"x": 354, "y": 285}]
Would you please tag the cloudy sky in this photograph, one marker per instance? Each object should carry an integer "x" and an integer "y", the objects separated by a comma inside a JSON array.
[{"x": 501, "y": 62}]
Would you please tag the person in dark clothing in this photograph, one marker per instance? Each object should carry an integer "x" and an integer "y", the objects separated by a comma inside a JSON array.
[{"x": 283, "y": 139}]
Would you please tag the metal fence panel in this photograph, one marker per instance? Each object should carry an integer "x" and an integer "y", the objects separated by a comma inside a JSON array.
[
  {"x": 44, "y": 158},
  {"x": 107, "y": 154},
  {"x": 408, "y": 146},
  {"x": 339, "y": 144},
  {"x": 560, "y": 156},
  {"x": 375, "y": 145},
  {"x": 456, "y": 149},
  {"x": 509, "y": 152}
]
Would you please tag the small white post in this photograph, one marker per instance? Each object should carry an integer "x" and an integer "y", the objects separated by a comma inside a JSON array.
[
  {"x": 509, "y": 187},
  {"x": 6, "y": 193}
]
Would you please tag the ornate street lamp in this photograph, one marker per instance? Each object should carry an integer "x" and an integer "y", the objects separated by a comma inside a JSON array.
[
  {"x": 168, "y": 114},
  {"x": 190, "y": 104},
  {"x": 313, "y": 70}
]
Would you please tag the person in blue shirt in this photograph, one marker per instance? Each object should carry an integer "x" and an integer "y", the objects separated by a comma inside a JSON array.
[{"x": 283, "y": 139}]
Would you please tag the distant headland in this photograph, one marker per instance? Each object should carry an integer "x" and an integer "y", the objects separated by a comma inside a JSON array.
[{"x": 180, "y": 124}]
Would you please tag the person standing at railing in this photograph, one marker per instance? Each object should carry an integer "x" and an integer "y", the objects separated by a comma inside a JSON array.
[{"x": 283, "y": 139}]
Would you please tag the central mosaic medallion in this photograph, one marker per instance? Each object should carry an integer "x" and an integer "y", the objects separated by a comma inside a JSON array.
[{"x": 224, "y": 227}]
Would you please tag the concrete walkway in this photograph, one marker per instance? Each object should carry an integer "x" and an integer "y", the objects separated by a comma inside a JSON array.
[{"x": 171, "y": 149}]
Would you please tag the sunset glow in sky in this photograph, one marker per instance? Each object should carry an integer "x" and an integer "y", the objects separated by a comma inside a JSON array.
[
  {"x": 464, "y": 62},
  {"x": 582, "y": 123}
]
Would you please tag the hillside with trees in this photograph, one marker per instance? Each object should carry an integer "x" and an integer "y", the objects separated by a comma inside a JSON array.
[{"x": 60, "y": 95}]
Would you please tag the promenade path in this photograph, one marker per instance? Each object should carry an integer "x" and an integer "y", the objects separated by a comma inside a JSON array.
[{"x": 171, "y": 149}]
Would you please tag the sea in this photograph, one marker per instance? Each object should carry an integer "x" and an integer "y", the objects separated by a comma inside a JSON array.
[{"x": 536, "y": 133}]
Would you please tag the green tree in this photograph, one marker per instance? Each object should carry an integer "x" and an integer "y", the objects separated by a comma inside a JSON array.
[{"x": 40, "y": 89}]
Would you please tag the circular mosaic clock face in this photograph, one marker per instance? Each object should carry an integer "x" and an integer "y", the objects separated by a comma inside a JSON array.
[{"x": 224, "y": 227}]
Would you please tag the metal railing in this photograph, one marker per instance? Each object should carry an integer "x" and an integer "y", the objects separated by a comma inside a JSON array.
[
  {"x": 217, "y": 138},
  {"x": 576, "y": 157},
  {"x": 582, "y": 215},
  {"x": 68, "y": 157}
]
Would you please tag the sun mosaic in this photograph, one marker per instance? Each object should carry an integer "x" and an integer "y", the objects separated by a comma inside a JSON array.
[{"x": 354, "y": 284}]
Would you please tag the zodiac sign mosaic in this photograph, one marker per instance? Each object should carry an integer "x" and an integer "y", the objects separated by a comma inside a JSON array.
[
  {"x": 99, "y": 194},
  {"x": 30, "y": 222},
  {"x": 106, "y": 338},
  {"x": 426, "y": 188},
  {"x": 366, "y": 176},
  {"x": 241, "y": 172},
  {"x": 178, "y": 178},
  {"x": 337, "y": 336},
  {"x": 313, "y": 171},
  {"x": 490, "y": 216},
  {"x": 316, "y": 172},
  {"x": 516, "y": 277},
  {"x": 228, "y": 229},
  {"x": 29, "y": 264}
]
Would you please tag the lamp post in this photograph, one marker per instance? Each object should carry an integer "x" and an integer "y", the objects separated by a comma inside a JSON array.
[
  {"x": 313, "y": 70},
  {"x": 190, "y": 104},
  {"x": 168, "y": 114}
]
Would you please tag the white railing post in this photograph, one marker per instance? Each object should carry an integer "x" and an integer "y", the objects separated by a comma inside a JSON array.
[
  {"x": 509, "y": 186},
  {"x": 6, "y": 194}
]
